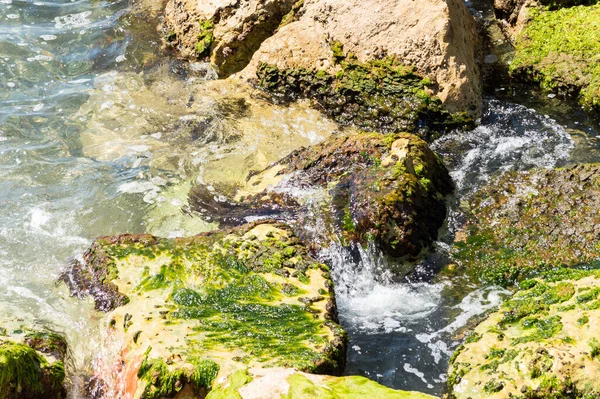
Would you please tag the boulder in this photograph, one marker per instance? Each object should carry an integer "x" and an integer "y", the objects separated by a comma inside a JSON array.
[
  {"x": 542, "y": 343},
  {"x": 522, "y": 223},
  {"x": 435, "y": 37},
  {"x": 385, "y": 189},
  {"x": 184, "y": 312},
  {"x": 557, "y": 43},
  {"x": 277, "y": 383},
  {"x": 31, "y": 362}
]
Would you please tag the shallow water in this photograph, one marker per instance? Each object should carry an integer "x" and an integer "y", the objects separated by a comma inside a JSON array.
[{"x": 99, "y": 135}]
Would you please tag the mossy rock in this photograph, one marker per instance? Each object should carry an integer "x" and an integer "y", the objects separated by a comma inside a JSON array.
[
  {"x": 191, "y": 309},
  {"x": 542, "y": 343},
  {"x": 379, "y": 95},
  {"x": 31, "y": 362},
  {"x": 387, "y": 189},
  {"x": 523, "y": 223},
  {"x": 281, "y": 383},
  {"x": 560, "y": 50}
]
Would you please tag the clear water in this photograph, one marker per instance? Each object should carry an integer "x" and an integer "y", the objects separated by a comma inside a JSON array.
[{"x": 101, "y": 135}]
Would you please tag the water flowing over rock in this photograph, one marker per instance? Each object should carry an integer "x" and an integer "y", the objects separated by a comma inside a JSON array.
[
  {"x": 385, "y": 189},
  {"x": 542, "y": 343},
  {"x": 437, "y": 37},
  {"x": 190, "y": 310},
  {"x": 31, "y": 362},
  {"x": 525, "y": 222}
]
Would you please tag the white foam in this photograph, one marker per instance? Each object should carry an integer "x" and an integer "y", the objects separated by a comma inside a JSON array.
[{"x": 73, "y": 21}]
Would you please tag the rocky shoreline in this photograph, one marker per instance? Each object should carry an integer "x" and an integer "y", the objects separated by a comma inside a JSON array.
[{"x": 248, "y": 310}]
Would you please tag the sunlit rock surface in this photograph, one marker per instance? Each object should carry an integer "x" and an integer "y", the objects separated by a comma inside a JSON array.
[
  {"x": 542, "y": 343},
  {"x": 32, "y": 362},
  {"x": 386, "y": 189},
  {"x": 436, "y": 37},
  {"x": 188, "y": 310},
  {"x": 277, "y": 383},
  {"x": 525, "y": 222}
]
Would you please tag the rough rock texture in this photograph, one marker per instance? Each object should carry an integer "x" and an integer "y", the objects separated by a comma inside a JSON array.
[
  {"x": 560, "y": 50},
  {"x": 31, "y": 362},
  {"x": 525, "y": 222},
  {"x": 437, "y": 37},
  {"x": 188, "y": 310},
  {"x": 542, "y": 343},
  {"x": 387, "y": 189},
  {"x": 278, "y": 383}
]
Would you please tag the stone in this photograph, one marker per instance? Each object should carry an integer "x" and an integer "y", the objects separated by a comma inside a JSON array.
[
  {"x": 436, "y": 37},
  {"x": 277, "y": 383},
  {"x": 32, "y": 361},
  {"x": 384, "y": 189},
  {"x": 541, "y": 343},
  {"x": 184, "y": 312},
  {"x": 522, "y": 223}
]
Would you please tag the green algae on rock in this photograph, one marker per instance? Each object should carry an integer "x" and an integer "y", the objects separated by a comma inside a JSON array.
[
  {"x": 560, "y": 49},
  {"x": 525, "y": 222},
  {"x": 31, "y": 362},
  {"x": 281, "y": 383},
  {"x": 540, "y": 344},
  {"x": 385, "y": 188},
  {"x": 379, "y": 95},
  {"x": 190, "y": 309}
]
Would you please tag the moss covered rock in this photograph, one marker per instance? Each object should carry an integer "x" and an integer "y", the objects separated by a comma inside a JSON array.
[
  {"x": 31, "y": 362},
  {"x": 542, "y": 343},
  {"x": 559, "y": 48},
  {"x": 381, "y": 95},
  {"x": 188, "y": 310},
  {"x": 386, "y": 189},
  {"x": 525, "y": 222},
  {"x": 281, "y": 383}
]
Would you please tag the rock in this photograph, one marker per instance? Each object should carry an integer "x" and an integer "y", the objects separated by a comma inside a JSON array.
[
  {"x": 31, "y": 362},
  {"x": 557, "y": 46},
  {"x": 526, "y": 222},
  {"x": 275, "y": 383},
  {"x": 188, "y": 310},
  {"x": 542, "y": 343},
  {"x": 436, "y": 37},
  {"x": 386, "y": 189}
]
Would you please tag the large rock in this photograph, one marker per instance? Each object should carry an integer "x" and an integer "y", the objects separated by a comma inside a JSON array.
[
  {"x": 386, "y": 189},
  {"x": 31, "y": 362},
  {"x": 184, "y": 312},
  {"x": 524, "y": 222},
  {"x": 542, "y": 343},
  {"x": 557, "y": 43},
  {"x": 436, "y": 37},
  {"x": 277, "y": 383}
]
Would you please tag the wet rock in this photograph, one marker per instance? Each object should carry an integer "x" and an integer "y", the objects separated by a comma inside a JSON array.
[
  {"x": 526, "y": 222},
  {"x": 31, "y": 362},
  {"x": 541, "y": 343},
  {"x": 435, "y": 37},
  {"x": 385, "y": 189},
  {"x": 557, "y": 46},
  {"x": 276, "y": 383},
  {"x": 188, "y": 310}
]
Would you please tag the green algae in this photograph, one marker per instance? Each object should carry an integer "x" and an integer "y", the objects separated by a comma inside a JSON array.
[
  {"x": 252, "y": 293},
  {"x": 526, "y": 224},
  {"x": 524, "y": 338},
  {"x": 163, "y": 380},
  {"x": 560, "y": 49},
  {"x": 236, "y": 381},
  {"x": 205, "y": 38},
  {"x": 379, "y": 95},
  {"x": 23, "y": 371}
]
